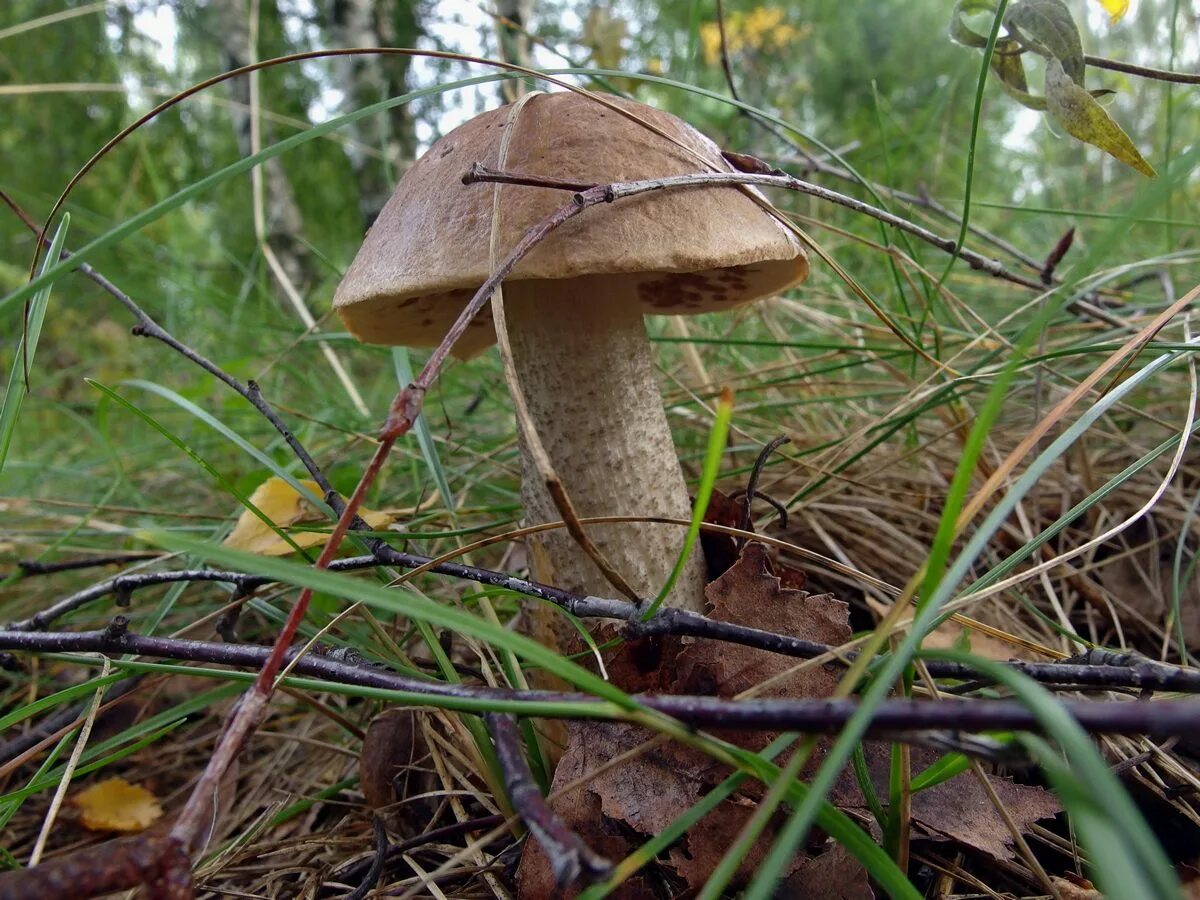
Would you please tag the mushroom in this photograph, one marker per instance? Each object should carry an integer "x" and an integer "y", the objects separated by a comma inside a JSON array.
[{"x": 574, "y": 305}]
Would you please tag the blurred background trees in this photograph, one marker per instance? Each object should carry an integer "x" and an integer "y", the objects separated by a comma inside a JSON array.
[{"x": 877, "y": 79}]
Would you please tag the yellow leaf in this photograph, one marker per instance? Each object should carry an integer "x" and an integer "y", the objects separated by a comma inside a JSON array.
[
  {"x": 1082, "y": 117},
  {"x": 117, "y": 805},
  {"x": 1116, "y": 9},
  {"x": 283, "y": 505}
]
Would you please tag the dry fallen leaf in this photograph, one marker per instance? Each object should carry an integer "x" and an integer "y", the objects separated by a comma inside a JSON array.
[
  {"x": 116, "y": 805},
  {"x": 833, "y": 875},
  {"x": 721, "y": 550},
  {"x": 1069, "y": 890},
  {"x": 1143, "y": 580},
  {"x": 392, "y": 770},
  {"x": 618, "y": 806},
  {"x": 958, "y": 809},
  {"x": 950, "y": 635},
  {"x": 284, "y": 506},
  {"x": 615, "y": 807}
]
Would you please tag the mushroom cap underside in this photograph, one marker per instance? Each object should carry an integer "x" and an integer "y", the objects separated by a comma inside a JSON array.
[{"x": 689, "y": 250}]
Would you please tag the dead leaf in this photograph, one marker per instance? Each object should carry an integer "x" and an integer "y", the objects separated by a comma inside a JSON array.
[
  {"x": 283, "y": 505},
  {"x": 617, "y": 807},
  {"x": 1006, "y": 62},
  {"x": 390, "y": 771},
  {"x": 958, "y": 809},
  {"x": 721, "y": 550},
  {"x": 620, "y": 806},
  {"x": 706, "y": 844},
  {"x": 1142, "y": 579},
  {"x": 580, "y": 810},
  {"x": 1071, "y": 890},
  {"x": 116, "y": 805},
  {"x": 833, "y": 875},
  {"x": 751, "y": 594},
  {"x": 950, "y": 635}
]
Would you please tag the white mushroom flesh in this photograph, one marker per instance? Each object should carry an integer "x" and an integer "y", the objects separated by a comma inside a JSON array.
[{"x": 588, "y": 374}]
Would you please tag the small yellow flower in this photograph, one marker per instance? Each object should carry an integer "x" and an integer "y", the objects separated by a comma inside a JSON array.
[
  {"x": 1115, "y": 9},
  {"x": 762, "y": 28}
]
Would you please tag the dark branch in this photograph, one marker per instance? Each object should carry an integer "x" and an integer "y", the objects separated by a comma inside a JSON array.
[
  {"x": 570, "y": 858},
  {"x": 752, "y": 484},
  {"x": 382, "y": 846},
  {"x": 896, "y": 717},
  {"x": 776, "y": 178},
  {"x": 30, "y": 567},
  {"x": 433, "y": 836},
  {"x": 1099, "y": 669},
  {"x": 1142, "y": 71}
]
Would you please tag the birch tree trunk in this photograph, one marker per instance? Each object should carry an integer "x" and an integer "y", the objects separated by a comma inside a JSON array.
[
  {"x": 383, "y": 144},
  {"x": 283, "y": 221}
]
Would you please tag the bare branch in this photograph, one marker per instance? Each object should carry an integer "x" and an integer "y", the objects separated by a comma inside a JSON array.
[
  {"x": 570, "y": 858},
  {"x": 1097, "y": 669},
  {"x": 900, "y": 718}
]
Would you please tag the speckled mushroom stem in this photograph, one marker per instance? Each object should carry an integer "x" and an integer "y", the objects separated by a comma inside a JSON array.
[{"x": 585, "y": 364}]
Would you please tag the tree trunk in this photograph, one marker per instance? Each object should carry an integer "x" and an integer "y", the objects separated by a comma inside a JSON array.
[
  {"x": 386, "y": 143},
  {"x": 512, "y": 31},
  {"x": 283, "y": 221}
]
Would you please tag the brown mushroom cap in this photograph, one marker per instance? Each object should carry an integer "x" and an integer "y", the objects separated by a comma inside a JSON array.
[{"x": 682, "y": 251}]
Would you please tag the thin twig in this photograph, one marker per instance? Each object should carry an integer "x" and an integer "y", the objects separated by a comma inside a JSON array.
[
  {"x": 30, "y": 567},
  {"x": 433, "y": 836},
  {"x": 148, "y": 327},
  {"x": 726, "y": 67},
  {"x": 1097, "y": 669},
  {"x": 775, "y": 178},
  {"x": 899, "y": 717},
  {"x": 752, "y": 483},
  {"x": 569, "y": 857},
  {"x": 60, "y": 792},
  {"x": 382, "y": 846},
  {"x": 1142, "y": 71}
]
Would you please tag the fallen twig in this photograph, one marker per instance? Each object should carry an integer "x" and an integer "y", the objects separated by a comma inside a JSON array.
[
  {"x": 570, "y": 858},
  {"x": 1099, "y": 668},
  {"x": 897, "y": 717}
]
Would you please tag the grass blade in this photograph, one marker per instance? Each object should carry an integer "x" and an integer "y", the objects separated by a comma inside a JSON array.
[{"x": 18, "y": 376}]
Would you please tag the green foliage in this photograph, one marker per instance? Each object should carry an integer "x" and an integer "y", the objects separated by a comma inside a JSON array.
[
  {"x": 1081, "y": 116},
  {"x": 23, "y": 358},
  {"x": 1047, "y": 29}
]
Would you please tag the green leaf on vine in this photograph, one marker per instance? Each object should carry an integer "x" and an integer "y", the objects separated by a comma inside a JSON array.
[
  {"x": 959, "y": 32},
  {"x": 1048, "y": 28}
]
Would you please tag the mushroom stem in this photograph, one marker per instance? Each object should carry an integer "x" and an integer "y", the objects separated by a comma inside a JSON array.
[{"x": 587, "y": 370}]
